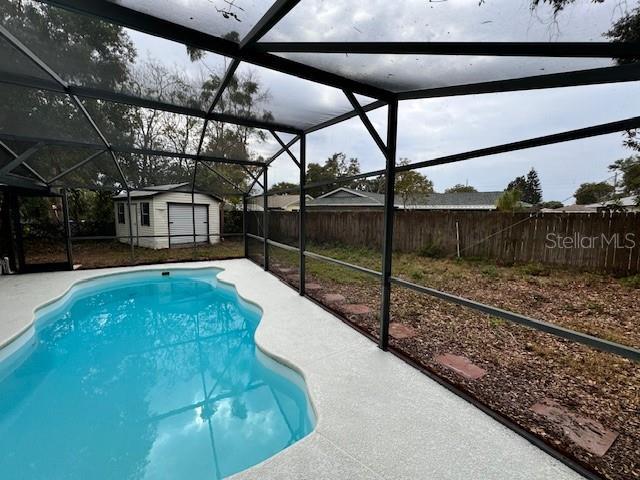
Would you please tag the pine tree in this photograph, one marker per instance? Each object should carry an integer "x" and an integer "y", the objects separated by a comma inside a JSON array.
[
  {"x": 533, "y": 193},
  {"x": 529, "y": 187},
  {"x": 519, "y": 183}
]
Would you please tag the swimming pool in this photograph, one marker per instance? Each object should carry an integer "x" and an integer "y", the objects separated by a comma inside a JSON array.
[{"x": 146, "y": 376}]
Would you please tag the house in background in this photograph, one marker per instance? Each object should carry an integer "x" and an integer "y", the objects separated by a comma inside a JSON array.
[
  {"x": 627, "y": 204},
  {"x": 282, "y": 202},
  {"x": 346, "y": 199},
  {"x": 167, "y": 214}
]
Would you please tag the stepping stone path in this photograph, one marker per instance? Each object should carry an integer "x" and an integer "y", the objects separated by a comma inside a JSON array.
[
  {"x": 287, "y": 270},
  {"x": 400, "y": 331},
  {"x": 461, "y": 365},
  {"x": 293, "y": 278},
  {"x": 356, "y": 309},
  {"x": 312, "y": 287},
  {"x": 333, "y": 298},
  {"x": 584, "y": 432}
]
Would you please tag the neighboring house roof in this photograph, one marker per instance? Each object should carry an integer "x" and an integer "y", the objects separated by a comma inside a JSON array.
[
  {"x": 626, "y": 202},
  {"x": 456, "y": 200},
  {"x": 285, "y": 200},
  {"x": 629, "y": 202},
  {"x": 347, "y": 197},
  {"x": 159, "y": 189},
  {"x": 276, "y": 202},
  {"x": 571, "y": 209}
]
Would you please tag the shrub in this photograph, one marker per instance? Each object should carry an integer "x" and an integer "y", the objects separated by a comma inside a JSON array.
[
  {"x": 631, "y": 282},
  {"x": 490, "y": 271},
  {"x": 431, "y": 250},
  {"x": 496, "y": 321},
  {"x": 417, "y": 275},
  {"x": 535, "y": 270}
]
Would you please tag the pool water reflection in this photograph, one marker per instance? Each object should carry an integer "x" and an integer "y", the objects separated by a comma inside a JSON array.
[{"x": 152, "y": 377}]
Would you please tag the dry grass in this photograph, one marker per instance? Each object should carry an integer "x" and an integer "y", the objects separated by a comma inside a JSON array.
[{"x": 111, "y": 253}]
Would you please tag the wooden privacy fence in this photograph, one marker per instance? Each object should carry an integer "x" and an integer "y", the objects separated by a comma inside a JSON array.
[{"x": 608, "y": 241}]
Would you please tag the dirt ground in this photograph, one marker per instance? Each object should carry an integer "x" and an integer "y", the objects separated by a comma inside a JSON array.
[{"x": 523, "y": 367}]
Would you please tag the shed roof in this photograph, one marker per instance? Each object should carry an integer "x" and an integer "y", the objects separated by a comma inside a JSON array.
[{"x": 154, "y": 190}]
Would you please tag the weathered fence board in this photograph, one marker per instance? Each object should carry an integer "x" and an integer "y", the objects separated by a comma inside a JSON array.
[{"x": 610, "y": 241}]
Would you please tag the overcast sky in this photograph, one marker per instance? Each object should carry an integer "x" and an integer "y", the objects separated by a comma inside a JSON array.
[{"x": 435, "y": 127}]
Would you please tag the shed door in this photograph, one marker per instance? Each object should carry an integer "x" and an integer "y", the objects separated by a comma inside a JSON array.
[{"x": 181, "y": 223}]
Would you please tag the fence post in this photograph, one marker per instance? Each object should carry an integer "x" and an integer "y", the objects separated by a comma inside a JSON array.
[
  {"x": 244, "y": 225},
  {"x": 389, "y": 201},
  {"x": 302, "y": 211},
  {"x": 67, "y": 227},
  {"x": 265, "y": 220}
]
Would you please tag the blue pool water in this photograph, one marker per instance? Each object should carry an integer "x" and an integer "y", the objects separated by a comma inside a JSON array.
[{"x": 143, "y": 376}]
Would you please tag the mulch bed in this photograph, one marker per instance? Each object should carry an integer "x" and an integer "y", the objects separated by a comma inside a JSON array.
[{"x": 523, "y": 367}]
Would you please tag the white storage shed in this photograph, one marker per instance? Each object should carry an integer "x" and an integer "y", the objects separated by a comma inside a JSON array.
[{"x": 164, "y": 217}]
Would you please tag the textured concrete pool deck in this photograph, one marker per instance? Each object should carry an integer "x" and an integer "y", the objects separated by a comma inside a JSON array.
[{"x": 377, "y": 416}]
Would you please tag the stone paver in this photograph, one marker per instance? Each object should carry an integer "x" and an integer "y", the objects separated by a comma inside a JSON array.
[
  {"x": 461, "y": 365},
  {"x": 333, "y": 298},
  {"x": 401, "y": 331},
  {"x": 585, "y": 432},
  {"x": 356, "y": 309}
]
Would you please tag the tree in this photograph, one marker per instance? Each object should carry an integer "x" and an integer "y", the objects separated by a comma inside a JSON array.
[
  {"x": 519, "y": 183},
  {"x": 630, "y": 170},
  {"x": 91, "y": 52},
  {"x": 509, "y": 201},
  {"x": 551, "y": 204},
  {"x": 376, "y": 184},
  {"x": 533, "y": 193},
  {"x": 529, "y": 187},
  {"x": 335, "y": 166},
  {"x": 593, "y": 193},
  {"x": 411, "y": 184},
  {"x": 282, "y": 186},
  {"x": 460, "y": 188}
]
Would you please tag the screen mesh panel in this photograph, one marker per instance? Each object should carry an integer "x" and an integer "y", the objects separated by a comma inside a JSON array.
[
  {"x": 229, "y": 19},
  {"x": 90, "y": 52},
  {"x": 39, "y": 113},
  {"x": 413, "y": 72},
  {"x": 282, "y": 98},
  {"x": 355, "y": 143},
  {"x": 449, "y": 21},
  {"x": 15, "y": 62},
  {"x": 148, "y": 171},
  {"x": 222, "y": 179},
  {"x": 562, "y": 168},
  {"x": 238, "y": 142},
  {"x": 99, "y": 172},
  {"x": 140, "y": 127},
  {"x": 451, "y": 125}
]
